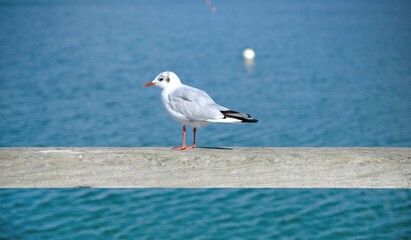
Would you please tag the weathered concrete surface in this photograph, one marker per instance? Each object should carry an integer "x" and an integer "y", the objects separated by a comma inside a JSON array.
[{"x": 206, "y": 167}]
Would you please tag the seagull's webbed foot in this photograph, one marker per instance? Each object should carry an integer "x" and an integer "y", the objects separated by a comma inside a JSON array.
[
  {"x": 191, "y": 146},
  {"x": 179, "y": 148}
]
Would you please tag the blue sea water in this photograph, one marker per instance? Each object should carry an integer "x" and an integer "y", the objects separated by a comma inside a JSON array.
[
  {"x": 205, "y": 214},
  {"x": 326, "y": 73}
]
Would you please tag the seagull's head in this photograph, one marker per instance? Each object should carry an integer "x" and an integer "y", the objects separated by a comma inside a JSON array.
[{"x": 165, "y": 80}]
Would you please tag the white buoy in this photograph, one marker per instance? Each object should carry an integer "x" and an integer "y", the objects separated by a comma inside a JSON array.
[{"x": 248, "y": 54}]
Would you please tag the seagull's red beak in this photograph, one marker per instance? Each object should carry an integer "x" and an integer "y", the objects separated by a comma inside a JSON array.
[{"x": 149, "y": 84}]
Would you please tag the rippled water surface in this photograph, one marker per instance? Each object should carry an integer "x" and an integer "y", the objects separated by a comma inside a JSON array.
[
  {"x": 326, "y": 73},
  {"x": 205, "y": 214}
]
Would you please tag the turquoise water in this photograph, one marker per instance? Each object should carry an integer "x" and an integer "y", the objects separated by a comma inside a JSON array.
[
  {"x": 326, "y": 73},
  {"x": 205, "y": 214}
]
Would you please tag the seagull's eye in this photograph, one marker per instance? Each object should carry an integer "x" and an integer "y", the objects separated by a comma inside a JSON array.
[{"x": 161, "y": 79}]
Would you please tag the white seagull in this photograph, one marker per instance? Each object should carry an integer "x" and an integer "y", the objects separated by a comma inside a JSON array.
[{"x": 192, "y": 107}]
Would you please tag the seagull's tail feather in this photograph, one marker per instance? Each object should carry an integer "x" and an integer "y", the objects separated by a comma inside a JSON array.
[{"x": 238, "y": 117}]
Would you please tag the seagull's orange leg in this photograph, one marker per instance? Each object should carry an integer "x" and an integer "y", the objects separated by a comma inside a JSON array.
[
  {"x": 194, "y": 143},
  {"x": 184, "y": 141}
]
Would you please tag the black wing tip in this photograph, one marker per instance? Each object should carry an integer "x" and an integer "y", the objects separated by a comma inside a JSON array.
[
  {"x": 249, "y": 120},
  {"x": 235, "y": 115}
]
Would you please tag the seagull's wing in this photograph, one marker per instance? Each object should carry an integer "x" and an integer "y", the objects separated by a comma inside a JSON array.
[{"x": 195, "y": 104}]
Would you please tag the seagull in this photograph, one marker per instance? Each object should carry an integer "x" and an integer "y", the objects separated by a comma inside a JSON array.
[{"x": 193, "y": 107}]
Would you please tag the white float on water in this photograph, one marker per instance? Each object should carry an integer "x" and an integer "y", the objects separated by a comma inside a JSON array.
[{"x": 248, "y": 54}]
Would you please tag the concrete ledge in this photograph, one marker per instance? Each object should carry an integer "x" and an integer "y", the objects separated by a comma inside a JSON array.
[{"x": 206, "y": 167}]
